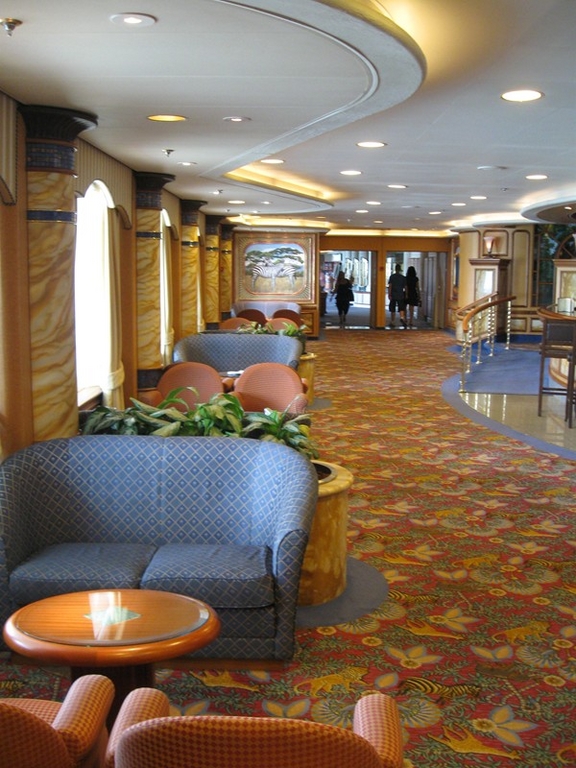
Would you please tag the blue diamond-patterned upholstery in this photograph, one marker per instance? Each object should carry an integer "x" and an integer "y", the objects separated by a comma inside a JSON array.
[
  {"x": 237, "y": 351},
  {"x": 221, "y": 519}
]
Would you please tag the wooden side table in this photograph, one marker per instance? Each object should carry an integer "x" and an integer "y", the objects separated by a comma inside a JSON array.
[{"x": 119, "y": 633}]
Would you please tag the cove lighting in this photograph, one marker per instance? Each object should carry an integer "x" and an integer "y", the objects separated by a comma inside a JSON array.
[{"x": 522, "y": 95}]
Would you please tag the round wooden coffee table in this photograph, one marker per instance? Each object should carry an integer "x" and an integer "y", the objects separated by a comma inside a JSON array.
[{"x": 119, "y": 633}]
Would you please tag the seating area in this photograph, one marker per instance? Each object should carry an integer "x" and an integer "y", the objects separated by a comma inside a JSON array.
[
  {"x": 204, "y": 379},
  {"x": 145, "y": 512},
  {"x": 236, "y": 351},
  {"x": 266, "y": 306},
  {"x": 271, "y": 385},
  {"x": 47, "y": 734}
]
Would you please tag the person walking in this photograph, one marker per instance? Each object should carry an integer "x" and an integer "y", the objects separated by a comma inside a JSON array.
[
  {"x": 413, "y": 298},
  {"x": 397, "y": 295},
  {"x": 344, "y": 296}
]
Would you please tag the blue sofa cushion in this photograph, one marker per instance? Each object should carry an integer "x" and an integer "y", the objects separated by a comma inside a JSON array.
[
  {"x": 224, "y": 576},
  {"x": 75, "y": 567}
]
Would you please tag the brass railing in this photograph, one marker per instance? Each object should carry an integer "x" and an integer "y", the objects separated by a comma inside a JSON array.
[{"x": 480, "y": 324}]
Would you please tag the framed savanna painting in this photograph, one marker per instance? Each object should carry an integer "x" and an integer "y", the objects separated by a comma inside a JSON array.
[{"x": 275, "y": 265}]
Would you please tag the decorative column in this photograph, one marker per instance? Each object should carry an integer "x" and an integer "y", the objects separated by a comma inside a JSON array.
[
  {"x": 212, "y": 272},
  {"x": 50, "y": 163},
  {"x": 226, "y": 270},
  {"x": 190, "y": 317},
  {"x": 148, "y": 241}
]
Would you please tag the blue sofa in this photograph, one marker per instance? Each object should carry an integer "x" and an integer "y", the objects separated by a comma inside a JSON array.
[
  {"x": 221, "y": 519},
  {"x": 237, "y": 351}
]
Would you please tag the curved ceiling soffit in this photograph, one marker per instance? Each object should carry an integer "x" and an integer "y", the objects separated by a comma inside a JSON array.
[
  {"x": 558, "y": 211},
  {"x": 394, "y": 63}
]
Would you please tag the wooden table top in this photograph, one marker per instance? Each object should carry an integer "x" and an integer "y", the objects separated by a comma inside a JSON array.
[{"x": 111, "y": 627}]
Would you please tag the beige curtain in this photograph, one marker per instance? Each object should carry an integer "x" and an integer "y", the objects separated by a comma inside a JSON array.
[
  {"x": 113, "y": 392},
  {"x": 166, "y": 308}
]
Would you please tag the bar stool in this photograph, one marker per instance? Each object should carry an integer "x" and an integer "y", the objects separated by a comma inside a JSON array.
[{"x": 558, "y": 343}]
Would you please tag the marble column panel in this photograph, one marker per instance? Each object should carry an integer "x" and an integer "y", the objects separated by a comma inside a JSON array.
[
  {"x": 225, "y": 270},
  {"x": 212, "y": 271},
  {"x": 190, "y": 267},
  {"x": 148, "y": 290},
  {"x": 51, "y": 242}
]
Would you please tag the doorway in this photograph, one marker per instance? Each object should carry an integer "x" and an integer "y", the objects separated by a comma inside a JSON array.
[
  {"x": 430, "y": 268},
  {"x": 357, "y": 267}
]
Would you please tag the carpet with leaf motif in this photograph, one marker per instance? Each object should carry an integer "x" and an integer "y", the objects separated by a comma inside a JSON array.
[{"x": 475, "y": 534}]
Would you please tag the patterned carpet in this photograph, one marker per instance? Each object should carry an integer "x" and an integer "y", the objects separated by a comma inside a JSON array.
[{"x": 476, "y": 535}]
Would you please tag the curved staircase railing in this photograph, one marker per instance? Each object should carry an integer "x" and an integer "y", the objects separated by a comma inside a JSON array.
[{"x": 480, "y": 324}]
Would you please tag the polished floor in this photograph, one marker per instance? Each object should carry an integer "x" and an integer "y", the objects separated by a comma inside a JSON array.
[{"x": 520, "y": 414}]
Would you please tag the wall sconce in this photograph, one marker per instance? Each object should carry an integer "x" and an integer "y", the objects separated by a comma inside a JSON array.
[{"x": 489, "y": 243}]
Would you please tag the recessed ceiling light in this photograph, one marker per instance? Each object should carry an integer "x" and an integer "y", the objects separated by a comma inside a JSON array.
[
  {"x": 166, "y": 118},
  {"x": 265, "y": 202},
  {"x": 236, "y": 119},
  {"x": 434, "y": 213},
  {"x": 272, "y": 161},
  {"x": 537, "y": 176},
  {"x": 458, "y": 205},
  {"x": 370, "y": 144},
  {"x": 397, "y": 186},
  {"x": 490, "y": 167},
  {"x": 133, "y": 20},
  {"x": 373, "y": 202},
  {"x": 186, "y": 163},
  {"x": 521, "y": 95},
  {"x": 236, "y": 202},
  {"x": 362, "y": 210},
  {"x": 351, "y": 173},
  {"x": 478, "y": 197}
]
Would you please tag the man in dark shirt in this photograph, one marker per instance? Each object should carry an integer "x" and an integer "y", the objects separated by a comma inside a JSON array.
[{"x": 397, "y": 295}]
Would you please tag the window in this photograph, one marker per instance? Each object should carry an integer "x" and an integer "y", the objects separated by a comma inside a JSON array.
[{"x": 96, "y": 299}]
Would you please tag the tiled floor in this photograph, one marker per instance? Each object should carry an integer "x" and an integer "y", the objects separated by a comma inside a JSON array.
[{"x": 519, "y": 413}]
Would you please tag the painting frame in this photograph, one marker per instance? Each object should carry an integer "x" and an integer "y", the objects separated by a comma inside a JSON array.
[{"x": 275, "y": 266}]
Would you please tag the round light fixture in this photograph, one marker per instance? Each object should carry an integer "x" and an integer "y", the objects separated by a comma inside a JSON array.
[
  {"x": 236, "y": 119},
  {"x": 166, "y": 118},
  {"x": 133, "y": 20},
  {"x": 370, "y": 144},
  {"x": 522, "y": 95}
]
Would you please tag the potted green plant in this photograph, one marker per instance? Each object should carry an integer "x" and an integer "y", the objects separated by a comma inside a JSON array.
[{"x": 222, "y": 415}]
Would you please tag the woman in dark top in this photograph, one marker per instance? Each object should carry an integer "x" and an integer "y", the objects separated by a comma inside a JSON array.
[
  {"x": 343, "y": 293},
  {"x": 412, "y": 293}
]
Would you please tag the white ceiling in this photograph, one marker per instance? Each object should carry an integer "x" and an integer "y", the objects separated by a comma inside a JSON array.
[{"x": 423, "y": 76}]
